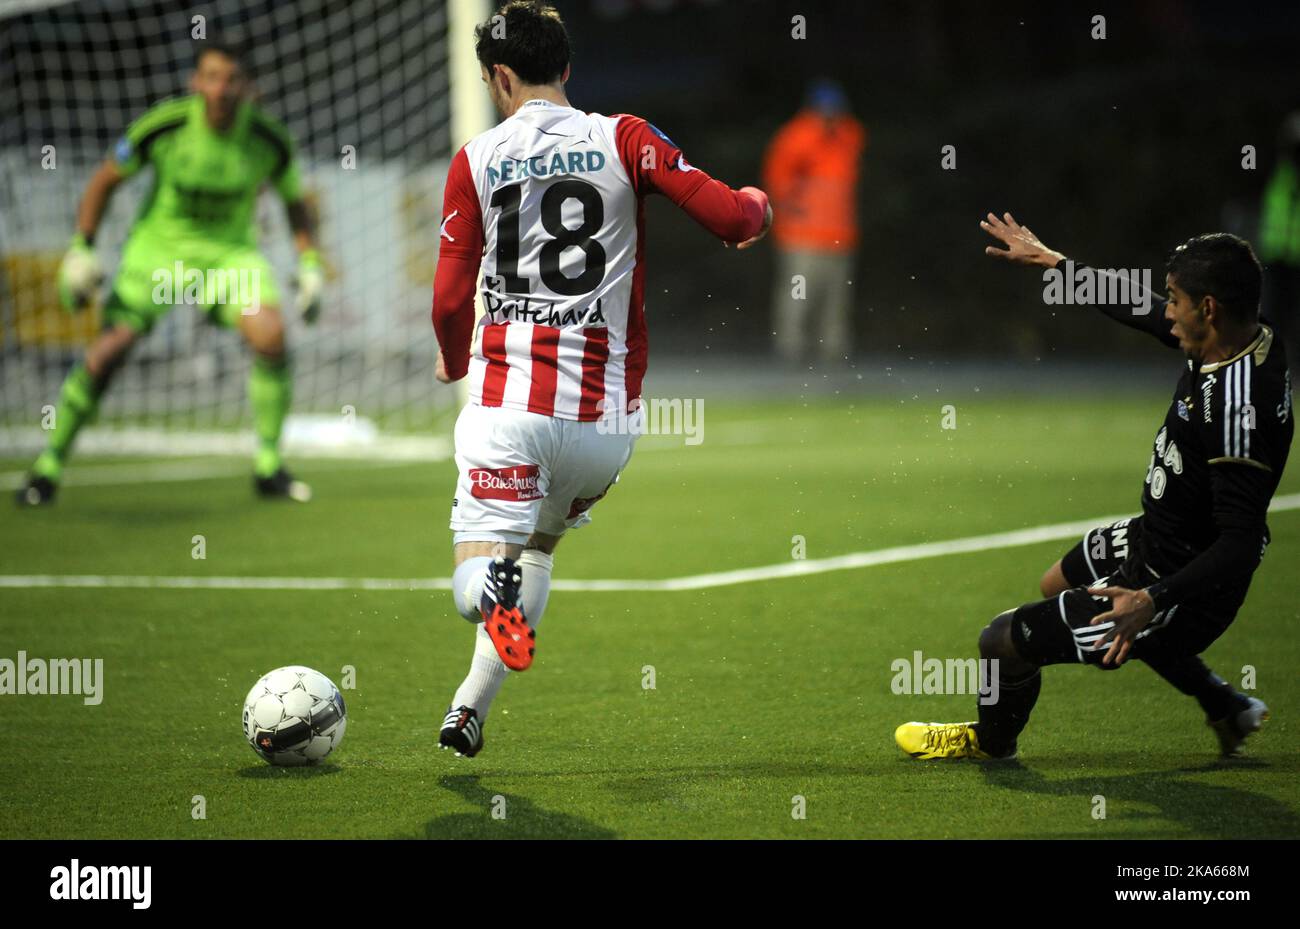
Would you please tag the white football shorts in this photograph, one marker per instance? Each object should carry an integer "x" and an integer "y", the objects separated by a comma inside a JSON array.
[{"x": 524, "y": 472}]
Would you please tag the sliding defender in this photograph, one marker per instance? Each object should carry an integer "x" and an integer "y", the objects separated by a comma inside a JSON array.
[{"x": 1162, "y": 586}]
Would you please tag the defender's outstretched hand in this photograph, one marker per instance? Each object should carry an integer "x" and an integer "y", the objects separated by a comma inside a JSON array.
[{"x": 1022, "y": 246}]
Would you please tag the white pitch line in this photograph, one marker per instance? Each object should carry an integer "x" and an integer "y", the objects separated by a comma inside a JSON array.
[{"x": 895, "y": 555}]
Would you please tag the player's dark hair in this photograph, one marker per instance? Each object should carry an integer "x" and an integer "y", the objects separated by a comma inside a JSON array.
[
  {"x": 223, "y": 46},
  {"x": 1222, "y": 266},
  {"x": 528, "y": 37}
]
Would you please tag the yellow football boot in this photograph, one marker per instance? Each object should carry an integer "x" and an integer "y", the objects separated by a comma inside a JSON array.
[{"x": 943, "y": 740}]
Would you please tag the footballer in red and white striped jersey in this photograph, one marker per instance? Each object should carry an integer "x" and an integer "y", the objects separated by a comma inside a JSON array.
[
  {"x": 551, "y": 200},
  {"x": 544, "y": 216}
]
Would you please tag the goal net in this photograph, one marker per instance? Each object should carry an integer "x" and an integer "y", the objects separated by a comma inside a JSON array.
[{"x": 366, "y": 90}]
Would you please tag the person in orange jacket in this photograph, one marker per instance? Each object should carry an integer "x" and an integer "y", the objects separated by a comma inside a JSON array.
[{"x": 811, "y": 174}]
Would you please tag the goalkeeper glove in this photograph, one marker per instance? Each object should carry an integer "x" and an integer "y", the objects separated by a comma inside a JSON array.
[
  {"x": 80, "y": 275},
  {"x": 311, "y": 280}
]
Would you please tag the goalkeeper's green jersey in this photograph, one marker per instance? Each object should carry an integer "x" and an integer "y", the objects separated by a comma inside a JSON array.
[{"x": 206, "y": 182}]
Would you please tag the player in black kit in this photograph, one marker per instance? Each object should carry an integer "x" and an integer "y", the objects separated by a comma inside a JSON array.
[{"x": 1162, "y": 586}]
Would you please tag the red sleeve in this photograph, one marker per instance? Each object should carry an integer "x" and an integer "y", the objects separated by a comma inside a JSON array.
[
  {"x": 656, "y": 165},
  {"x": 460, "y": 252}
]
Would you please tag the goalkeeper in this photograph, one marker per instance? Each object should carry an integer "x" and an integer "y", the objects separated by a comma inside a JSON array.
[{"x": 193, "y": 242}]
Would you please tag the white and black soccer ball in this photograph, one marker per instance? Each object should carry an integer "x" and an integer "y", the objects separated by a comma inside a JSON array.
[{"x": 294, "y": 716}]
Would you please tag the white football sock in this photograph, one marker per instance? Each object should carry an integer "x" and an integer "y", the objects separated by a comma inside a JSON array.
[
  {"x": 467, "y": 586},
  {"x": 486, "y": 672},
  {"x": 486, "y": 675},
  {"x": 535, "y": 583}
]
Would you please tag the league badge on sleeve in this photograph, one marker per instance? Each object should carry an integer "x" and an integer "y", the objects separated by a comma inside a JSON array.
[
  {"x": 659, "y": 132},
  {"x": 678, "y": 165},
  {"x": 123, "y": 151}
]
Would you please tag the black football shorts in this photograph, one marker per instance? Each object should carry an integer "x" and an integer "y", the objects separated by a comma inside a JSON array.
[{"x": 1059, "y": 631}]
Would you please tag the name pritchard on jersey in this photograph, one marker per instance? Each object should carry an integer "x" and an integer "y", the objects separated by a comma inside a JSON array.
[{"x": 539, "y": 311}]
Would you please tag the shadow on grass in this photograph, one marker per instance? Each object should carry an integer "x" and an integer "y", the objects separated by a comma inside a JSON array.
[
  {"x": 265, "y": 772},
  {"x": 633, "y": 777},
  {"x": 522, "y": 819},
  {"x": 1187, "y": 806}
]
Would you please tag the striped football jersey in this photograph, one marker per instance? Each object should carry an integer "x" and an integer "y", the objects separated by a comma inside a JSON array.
[{"x": 549, "y": 205}]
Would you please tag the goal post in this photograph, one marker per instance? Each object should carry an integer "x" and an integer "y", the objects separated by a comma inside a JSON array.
[{"x": 377, "y": 96}]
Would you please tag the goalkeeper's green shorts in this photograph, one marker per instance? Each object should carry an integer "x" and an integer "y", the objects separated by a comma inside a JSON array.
[{"x": 223, "y": 280}]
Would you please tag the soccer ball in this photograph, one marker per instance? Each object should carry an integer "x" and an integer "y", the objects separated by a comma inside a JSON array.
[{"x": 294, "y": 716}]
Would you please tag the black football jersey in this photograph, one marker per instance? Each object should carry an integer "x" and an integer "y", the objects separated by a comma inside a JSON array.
[{"x": 1230, "y": 414}]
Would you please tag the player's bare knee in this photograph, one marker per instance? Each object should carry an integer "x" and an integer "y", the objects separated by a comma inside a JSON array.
[
  {"x": 463, "y": 551},
  {"x": 541, "y": 542},
  {"x": 97, "y": 365},
  {"x": 264, "y": 332},
  {"x": 108, "y": 352},
  {"x": 271, "y": 343}
]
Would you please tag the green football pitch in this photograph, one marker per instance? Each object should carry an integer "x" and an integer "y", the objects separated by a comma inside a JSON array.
[{"x": 771, "y": 712}]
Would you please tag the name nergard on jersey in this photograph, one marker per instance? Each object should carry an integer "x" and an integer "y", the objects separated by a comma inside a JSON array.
[{"x": 572, "y": 162}]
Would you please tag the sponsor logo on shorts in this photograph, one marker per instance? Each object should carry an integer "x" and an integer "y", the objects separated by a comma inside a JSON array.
[{"x": 518, "y": 483}]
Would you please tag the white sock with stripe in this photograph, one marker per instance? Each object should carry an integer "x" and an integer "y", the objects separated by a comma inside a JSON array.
[
  {"x": 486, "y": 672},
  {"x": 467, "y": 586},
  {"x": 486, "y": 675},
  {"x": 535, "y": 583}
]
